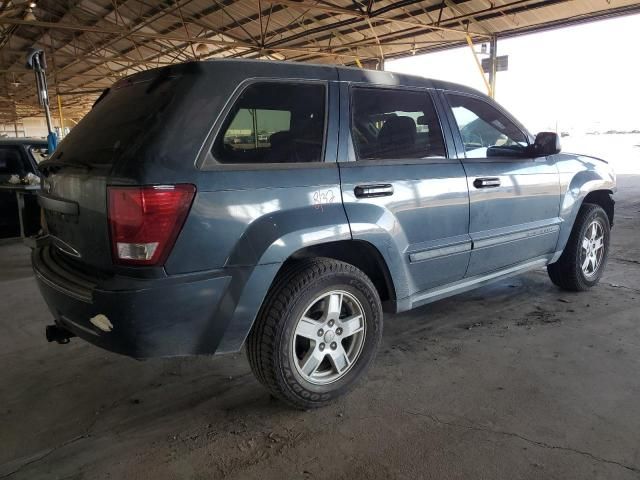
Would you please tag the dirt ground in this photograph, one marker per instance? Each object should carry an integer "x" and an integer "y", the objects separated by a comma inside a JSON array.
[{"x": 515, "y": 380}]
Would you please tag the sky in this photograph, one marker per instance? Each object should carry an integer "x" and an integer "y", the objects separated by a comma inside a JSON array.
[{"x": 581, "y": 78}]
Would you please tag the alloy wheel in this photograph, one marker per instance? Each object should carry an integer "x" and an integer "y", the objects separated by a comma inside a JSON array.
[
  {"x": 329, "y": 337},
  {"x": 592, "y": 251}
]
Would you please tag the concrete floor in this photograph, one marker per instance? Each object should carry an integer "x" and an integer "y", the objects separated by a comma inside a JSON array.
[{"x": 516, "y": 380}]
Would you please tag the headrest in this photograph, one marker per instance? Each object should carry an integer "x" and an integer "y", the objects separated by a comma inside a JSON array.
[
  {"x": 397, "y": 131},
  {"x": 279, "y": 138}
]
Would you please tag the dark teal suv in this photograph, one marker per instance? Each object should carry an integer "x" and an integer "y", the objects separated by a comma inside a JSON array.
[{"x": 202, "y": 207}]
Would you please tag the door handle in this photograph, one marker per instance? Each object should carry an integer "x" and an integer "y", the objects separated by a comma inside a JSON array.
[
  {"x": 371, "y": 191},
  {"x": 486, "y": 182}
]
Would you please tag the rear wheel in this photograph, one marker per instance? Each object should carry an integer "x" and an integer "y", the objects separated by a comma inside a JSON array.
[
  {"x": 317, "y": 333},
  {"x": 585, "y": 255}
]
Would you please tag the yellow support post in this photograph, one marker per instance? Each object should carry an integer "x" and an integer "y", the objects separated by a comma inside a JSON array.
[{"x": 479, "y": 64}]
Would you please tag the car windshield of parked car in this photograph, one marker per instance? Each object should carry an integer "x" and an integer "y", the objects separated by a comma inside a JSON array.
[
  {"x": 274, "y": 122},
  {"x": 483, "y": 127},
  {"x": 39, "y": 154},
  {"x": 11, "y": 162},
  {"x": 394, "y": 124}
]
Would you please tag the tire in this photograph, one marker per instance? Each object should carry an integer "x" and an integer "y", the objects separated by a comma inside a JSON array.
[
  {"x": 568, "y": 272},
  {"x": 283, "y": 346}
]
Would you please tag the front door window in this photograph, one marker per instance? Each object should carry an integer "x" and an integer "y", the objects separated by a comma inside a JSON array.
[{"x": 485, "y": 131}]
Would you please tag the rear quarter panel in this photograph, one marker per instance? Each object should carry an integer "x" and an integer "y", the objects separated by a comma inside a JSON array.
[
  {"x": 248, "y": 219},
  {"x": 259, "y": 217}
]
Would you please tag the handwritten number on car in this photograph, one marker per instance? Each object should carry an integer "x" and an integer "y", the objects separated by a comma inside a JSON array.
[{"x": 321, "y": 198}]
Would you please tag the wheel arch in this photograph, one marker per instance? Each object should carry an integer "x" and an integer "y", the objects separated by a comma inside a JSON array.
[
  {"x": 360, "y": 254},
  {"x": 603, "y": 199},
  {"x": 595, "y": 184},
  {"x": 254, "y": 283}
]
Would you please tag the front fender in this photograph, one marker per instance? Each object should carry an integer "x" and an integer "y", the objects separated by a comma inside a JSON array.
[{"x": 579, "y": 176}]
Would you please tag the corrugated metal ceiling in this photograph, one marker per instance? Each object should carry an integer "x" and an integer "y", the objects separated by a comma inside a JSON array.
[{"x": 92, "y": 43}]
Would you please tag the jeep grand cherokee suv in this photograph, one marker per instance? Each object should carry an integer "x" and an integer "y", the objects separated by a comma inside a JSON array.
[{"x": 202, "y": 207}]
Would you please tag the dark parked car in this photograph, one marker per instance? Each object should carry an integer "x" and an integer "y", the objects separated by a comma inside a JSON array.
[
  {"x": 19, "y": 157},
  {"x": 166, "y": 237}
]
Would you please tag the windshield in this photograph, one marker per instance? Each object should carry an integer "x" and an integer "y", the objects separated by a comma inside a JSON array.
[{"x": 39, "y": 153}]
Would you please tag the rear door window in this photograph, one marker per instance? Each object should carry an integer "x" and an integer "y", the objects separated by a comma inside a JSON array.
[
  {"x": 274, "y": 122},
  {"x": 394, "y": 124}
]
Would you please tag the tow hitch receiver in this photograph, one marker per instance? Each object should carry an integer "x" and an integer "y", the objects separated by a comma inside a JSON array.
[{"x": 54, "y": 333}]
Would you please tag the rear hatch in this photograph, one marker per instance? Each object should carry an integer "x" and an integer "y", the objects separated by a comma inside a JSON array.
[{"x": 74, "y": 190}]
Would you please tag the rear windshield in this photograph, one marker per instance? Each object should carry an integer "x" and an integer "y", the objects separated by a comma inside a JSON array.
[{"x": 118, "y": 120}]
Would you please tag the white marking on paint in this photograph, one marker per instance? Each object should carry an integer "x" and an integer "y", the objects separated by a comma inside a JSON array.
[{"x": 102, "y": 322}]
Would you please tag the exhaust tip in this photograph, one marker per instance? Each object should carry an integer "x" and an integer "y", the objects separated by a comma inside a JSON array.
[{"x": 54, "y": 333}]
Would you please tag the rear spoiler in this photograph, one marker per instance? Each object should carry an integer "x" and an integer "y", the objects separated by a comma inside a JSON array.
[{"x": 102, "y": 95}]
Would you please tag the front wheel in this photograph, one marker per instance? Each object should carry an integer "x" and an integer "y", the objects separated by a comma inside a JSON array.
[
  {"x": 317, "y": 333},
  {"x": 582, "y": 263}
]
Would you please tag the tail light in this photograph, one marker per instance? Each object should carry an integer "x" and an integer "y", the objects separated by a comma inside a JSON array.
[{"x": 145, "y": 221}]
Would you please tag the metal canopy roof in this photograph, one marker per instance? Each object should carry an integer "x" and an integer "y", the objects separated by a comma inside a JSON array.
[{"x": 92, "y": 43}]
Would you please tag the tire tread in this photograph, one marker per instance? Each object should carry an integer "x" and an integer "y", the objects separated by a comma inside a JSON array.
[
  {"x": 566, "y": 273},
  {"x": 263, "y": 339}
]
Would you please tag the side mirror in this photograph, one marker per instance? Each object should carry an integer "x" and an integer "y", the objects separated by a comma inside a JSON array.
[{"x": 547, "y": 143}]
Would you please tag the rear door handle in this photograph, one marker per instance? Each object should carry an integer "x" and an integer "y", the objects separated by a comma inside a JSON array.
[
  {"x": 371, "y": 191},
  {"x": 486, "y": 182}
]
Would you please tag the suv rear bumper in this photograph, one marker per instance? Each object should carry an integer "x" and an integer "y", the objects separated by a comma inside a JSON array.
[{"x": 157, "y": 317}]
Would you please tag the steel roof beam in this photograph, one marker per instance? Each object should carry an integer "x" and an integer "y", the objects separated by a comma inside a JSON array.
[{"x": 123, "y": 33}]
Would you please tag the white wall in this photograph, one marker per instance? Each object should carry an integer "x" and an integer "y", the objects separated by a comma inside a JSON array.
[{"x": 35, "y": 127}]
